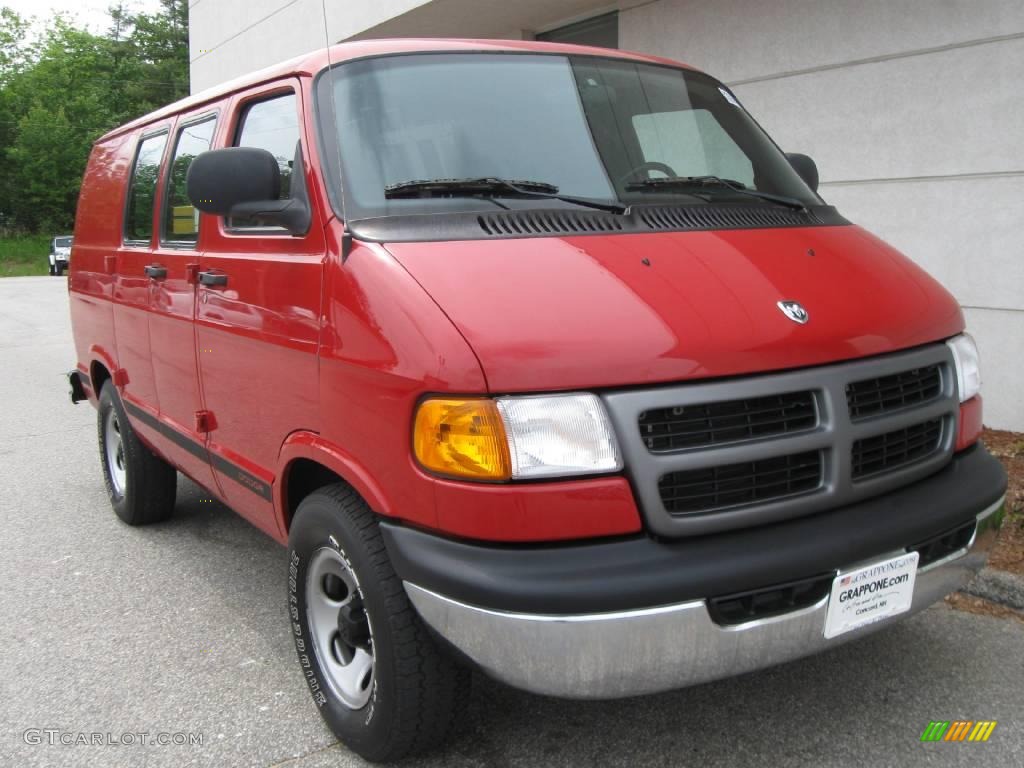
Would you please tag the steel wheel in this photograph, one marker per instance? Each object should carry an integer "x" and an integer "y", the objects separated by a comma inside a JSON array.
[
  {"x": 115, "y": 453},
  {"x": 340, "y": 627}
]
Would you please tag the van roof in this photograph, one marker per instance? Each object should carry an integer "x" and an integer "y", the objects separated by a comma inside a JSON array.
[{"x": 313, "y": 62}]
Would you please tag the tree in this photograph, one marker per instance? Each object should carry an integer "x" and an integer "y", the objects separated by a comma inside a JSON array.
[
  {"x": 12, "y": 38},
  {"x": 62, "y": 103},
  {"x": 161, "y": 48},
  {"x": 60, "y": 94}
]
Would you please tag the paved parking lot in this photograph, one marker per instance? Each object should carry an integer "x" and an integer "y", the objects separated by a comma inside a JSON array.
[{"x": 180, "y": 628}]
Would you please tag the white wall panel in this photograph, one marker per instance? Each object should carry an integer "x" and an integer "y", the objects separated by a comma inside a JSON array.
[{"x": 740, "y": 39}]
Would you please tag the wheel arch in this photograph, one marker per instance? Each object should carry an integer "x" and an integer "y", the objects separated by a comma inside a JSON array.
[
  {"x": 308, "y": 463},
  {"x": 100, "y": 370}
]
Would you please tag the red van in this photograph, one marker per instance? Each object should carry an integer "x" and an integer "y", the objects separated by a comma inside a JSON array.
[{"x": 541, "y": 359}]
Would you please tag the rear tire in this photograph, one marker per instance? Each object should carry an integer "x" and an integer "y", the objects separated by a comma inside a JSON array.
[
  {"x": 140, "y": 484},
  {"x": 381, "y": 683}
]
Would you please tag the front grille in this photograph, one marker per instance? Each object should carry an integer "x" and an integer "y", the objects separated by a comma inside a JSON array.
[
  {"x": 731, "y": 485},
  {"x": 707, "y": 456},
  {"x": 870, "y": 397},
  {"x": 893, "y": 450},
  {"x": 944, "y": 544},
  {"x": 756, "y": 604},
  {"x": 705, "y": 424}
]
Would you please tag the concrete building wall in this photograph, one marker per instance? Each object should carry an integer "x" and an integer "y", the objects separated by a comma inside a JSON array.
[
  {"x": 232, "y": 37},
  {"x": 913, "y": 111}
]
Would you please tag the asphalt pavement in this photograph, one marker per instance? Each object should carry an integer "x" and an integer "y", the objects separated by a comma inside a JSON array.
[{"x": 122, "y": 634}]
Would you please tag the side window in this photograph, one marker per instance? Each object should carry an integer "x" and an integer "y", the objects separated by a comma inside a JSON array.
[
  {"x": 181, "y": 220},
  {"x": 692, "y": 143},
  {"x": 138, "y": 220},
  {"x": 272, "y": 125}
]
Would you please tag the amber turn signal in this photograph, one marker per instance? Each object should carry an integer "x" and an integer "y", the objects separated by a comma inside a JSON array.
[{"x": 462, "y": 438}]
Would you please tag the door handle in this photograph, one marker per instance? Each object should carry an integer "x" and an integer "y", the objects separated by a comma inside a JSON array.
[
  {"x": 156, "y": 272},
  {"x": 210, "y": 278}
]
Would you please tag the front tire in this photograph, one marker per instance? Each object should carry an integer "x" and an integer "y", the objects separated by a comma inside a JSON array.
[
  {"x": 380, "y": 681},
  {"x": 140, "y": 484},
  {"x": 53, "y": 269}
]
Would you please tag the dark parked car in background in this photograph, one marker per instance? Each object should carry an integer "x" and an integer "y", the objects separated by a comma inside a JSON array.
[{"x": 60, "y": 254}]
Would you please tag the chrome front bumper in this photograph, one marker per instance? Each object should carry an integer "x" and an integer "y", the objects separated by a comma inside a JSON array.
[{"x": 628, "y": 653}]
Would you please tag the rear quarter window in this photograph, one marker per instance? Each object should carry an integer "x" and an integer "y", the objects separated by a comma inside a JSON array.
[{"x": 138, "y": 220}]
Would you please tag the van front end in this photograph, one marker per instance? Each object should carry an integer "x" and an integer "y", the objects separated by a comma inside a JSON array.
[
  {"x": 831, "y": 523},
  {"x": 723, "y": 427}
]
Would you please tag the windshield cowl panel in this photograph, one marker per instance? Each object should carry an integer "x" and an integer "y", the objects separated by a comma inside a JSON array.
[{"x": 592, "y": 127}]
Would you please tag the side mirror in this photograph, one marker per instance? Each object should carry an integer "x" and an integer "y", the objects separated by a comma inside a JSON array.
[
  {"x": 805, "y": 168},
  {"x": 246, "y": 182}
]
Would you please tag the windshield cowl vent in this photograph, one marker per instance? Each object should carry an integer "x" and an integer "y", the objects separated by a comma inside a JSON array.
[
  {"x": 570, "y": 222},
  {"x": 677, "y": 217},
  {"x": 548, "y": 223},
  {"x": 661, "y": 218}
]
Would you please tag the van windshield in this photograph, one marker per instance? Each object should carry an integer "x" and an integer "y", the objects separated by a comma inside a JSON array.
[{"x": 601, "y": 129}]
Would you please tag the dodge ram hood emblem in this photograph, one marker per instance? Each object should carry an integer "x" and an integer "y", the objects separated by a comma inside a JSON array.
[{"x": 794, "y": 311}]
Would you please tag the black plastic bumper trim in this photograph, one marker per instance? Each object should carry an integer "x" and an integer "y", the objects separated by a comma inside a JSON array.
[
  {"x": 77, "y": 385},
  {"x": 641, "y": 572}
]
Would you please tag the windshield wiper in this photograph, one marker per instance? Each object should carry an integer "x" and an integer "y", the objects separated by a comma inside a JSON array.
[
  {"x": 689, "y": 182},
  {"x": 491, "y": 186}
]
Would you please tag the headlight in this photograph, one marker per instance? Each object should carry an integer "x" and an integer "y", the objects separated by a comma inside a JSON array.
[
  {"x": 559, "y": 435},
  {"x": 968, "y": 365},
  {"x": 516, "y": 437}
]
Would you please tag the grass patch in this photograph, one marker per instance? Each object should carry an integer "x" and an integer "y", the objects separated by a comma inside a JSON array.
[{"x": 26, "y": 255}]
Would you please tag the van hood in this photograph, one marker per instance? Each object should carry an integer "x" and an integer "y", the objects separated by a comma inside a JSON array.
[{"x": 616, "y": 310}]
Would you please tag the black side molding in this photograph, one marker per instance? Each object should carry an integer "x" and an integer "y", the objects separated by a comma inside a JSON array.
[
  {"x": 227, "y": 468},
  {"x": 640, "y": 572}
]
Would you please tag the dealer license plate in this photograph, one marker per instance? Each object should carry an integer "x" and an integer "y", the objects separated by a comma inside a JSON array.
[{"x": 869, "y": 594}]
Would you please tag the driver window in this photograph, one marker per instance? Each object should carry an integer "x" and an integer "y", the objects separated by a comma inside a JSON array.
[{"x": 273, "y": 125}]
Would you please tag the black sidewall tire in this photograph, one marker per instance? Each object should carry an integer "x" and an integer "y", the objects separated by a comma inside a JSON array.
[
  {"x": 361, "y": 729},
  {"x": 150, "y": 483},
  {"x": 399, "y": 720},
  {"x": 110, "y": 401}
]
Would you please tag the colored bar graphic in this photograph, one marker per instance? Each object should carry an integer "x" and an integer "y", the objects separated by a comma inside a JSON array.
[{"x": 958, "y": 730}]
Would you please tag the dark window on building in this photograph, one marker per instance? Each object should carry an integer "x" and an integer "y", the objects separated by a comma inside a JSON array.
[
  {"x": 272, "y": 125},
  {"x": 181, "y": 219},
  {"x": 602, "y": 31},
  {"x": 138, "y": 221}
]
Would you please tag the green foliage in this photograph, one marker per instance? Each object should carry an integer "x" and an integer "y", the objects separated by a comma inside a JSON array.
[{"x": 59, "y": 94}]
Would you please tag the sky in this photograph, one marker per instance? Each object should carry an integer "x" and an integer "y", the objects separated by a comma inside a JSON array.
[{"x": 91, "y": 13}]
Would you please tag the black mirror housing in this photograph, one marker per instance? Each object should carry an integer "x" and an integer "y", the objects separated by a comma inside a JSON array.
[
  {"x": 246, "y": 182},
  {"x": 219, "y": 180},
  {"x": 805, "y": 167}
]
